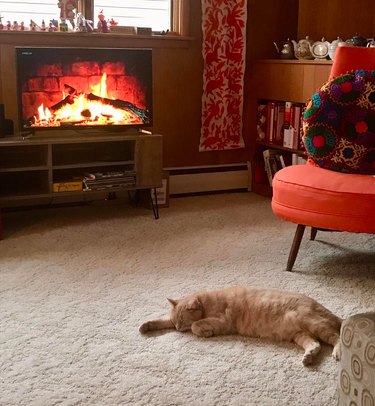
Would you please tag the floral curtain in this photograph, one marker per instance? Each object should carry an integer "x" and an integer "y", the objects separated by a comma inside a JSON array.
[{"x": 224, "y": 46}]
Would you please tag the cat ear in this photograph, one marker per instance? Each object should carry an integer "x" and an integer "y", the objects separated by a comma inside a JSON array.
[
  {"x": 194, "y": 304},
  {"x": 173, "y": 302}
]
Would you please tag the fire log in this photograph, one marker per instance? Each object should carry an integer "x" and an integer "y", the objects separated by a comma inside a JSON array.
[{"x": 121, "y": 104}]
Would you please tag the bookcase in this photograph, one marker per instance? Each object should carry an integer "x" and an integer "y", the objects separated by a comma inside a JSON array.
[
  {"x": 30, "y": 167},
  {"x": 292, "y": 81}
]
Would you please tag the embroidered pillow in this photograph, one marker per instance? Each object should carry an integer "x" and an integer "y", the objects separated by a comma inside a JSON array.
[{"x": 339, "y": 124}]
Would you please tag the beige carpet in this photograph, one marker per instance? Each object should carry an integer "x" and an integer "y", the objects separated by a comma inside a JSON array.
[{"x": 77, "y": 282}]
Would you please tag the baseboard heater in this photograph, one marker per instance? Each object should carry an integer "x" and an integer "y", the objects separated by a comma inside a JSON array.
[{"x": 214, "y": 178}]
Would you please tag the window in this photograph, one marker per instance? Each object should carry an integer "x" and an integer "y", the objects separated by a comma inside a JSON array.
[
  {"x": 141, "y": 13},
  {"x": 26, "y": 10}
]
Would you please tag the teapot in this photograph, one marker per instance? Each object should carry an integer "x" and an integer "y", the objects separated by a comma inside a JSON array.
[
  {"x": 287, "y": 49},
  {"x": 320, "y": 49},
  {"x": 302, "y": 49},
  {"x": 357, "y": 41},
  {"x": 333, "y": 45}
]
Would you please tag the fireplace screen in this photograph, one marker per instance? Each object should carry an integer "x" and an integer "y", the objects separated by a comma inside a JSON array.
[{"x": 68, "y": 87}]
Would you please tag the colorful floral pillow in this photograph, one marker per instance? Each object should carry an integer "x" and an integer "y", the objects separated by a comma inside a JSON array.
[{"x": 339, "y": 124}]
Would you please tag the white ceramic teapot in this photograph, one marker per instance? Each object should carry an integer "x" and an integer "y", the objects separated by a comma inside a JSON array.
[
  {"x": 320, "y": 49},
  {"x": 302, "y": 48},
  {"x": 332, "y": 47}
]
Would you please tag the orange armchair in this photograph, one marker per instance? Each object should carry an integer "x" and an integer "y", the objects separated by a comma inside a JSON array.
[{"x": 311, "y": 195}]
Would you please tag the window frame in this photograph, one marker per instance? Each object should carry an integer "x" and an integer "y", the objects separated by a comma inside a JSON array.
[{"x": 179, "y": 14}]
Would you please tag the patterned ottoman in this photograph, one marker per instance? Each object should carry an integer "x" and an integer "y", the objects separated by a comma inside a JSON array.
[{"x": 357, "y": 366}]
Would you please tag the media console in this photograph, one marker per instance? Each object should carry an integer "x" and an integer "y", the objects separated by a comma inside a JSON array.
[{"x": 29, "y": 167}]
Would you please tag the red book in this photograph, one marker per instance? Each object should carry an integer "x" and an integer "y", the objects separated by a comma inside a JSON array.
[{"x": 279, "y": 124}]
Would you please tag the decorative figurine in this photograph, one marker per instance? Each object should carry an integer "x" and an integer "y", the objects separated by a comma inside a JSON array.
[
  {"x": 112, "y": 22},
  {"x": 63, "y": 26},
  {"x": 102, "y": 23},
  {"x": 51, "y": 27},
  {"x": 80, "y": 23},
  {"x": 43, "y": 26},
  {"x": 32, "y": 25},
  {"x": 1, "y": 23},
  {"x": 22, "y": 26},
  {"x": 67, "y": 10},
  {"x": 15, "y": 26},
  {"x": 8, "y": 26}
]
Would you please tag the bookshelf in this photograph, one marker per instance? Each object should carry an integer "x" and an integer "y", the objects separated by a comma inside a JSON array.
[
  {"x": 282, "y": 81},
  {"x": 29, "y": 168}
]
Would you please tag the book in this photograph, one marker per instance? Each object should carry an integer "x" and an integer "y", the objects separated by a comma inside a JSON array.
[
  {"x": 292, "y": 126},
  {"x": 287, "y": 125},
  {"x": 109, "y": 180},
  {"x": 279, "y": 124},
  {"x": 270, "y": 121},
  {"x": 273, "y": 162},
  {"x": 298, "y": 159},
  {"x": 261, "y": 121},
  {"x": 296, "y": 125}
]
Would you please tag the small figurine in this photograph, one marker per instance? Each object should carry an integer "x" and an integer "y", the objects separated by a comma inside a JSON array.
[
  {"x": 22, "y": 26},
  {"x": 8, "y": 26},
  {"x": 80, "y": 23},
  {"x": 43, "y": 26},
  {"x": 67, "y": 10},
  {"x": 112, "y": 22},
  {"x": 102, "y": 23},
  {"x": 33, "y": 25},
  {"x": 51, "y": 27},
  {"x": 1, "y": 23},
  {"x": 63, "y": 26}
]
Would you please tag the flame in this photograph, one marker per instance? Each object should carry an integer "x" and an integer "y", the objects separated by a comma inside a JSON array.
[
  {"x": 84, "y": 111},
  {"x": 101, "y": 88}
]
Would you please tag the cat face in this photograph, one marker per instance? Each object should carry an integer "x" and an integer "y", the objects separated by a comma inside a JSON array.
[{"x": 185, "y": 312}]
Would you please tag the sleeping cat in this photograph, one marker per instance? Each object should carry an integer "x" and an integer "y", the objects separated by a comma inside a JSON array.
[{"x": 255, "y": 312}]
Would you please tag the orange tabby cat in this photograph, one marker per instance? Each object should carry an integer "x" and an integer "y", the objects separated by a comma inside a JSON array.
[{"x": 255, "y": 312}]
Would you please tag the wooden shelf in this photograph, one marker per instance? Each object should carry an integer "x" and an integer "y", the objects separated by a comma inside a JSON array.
[
  {"x": 280, "y": 147},
  {"x": 296, "y": 61},
  {"x": 29, "y": 167}
]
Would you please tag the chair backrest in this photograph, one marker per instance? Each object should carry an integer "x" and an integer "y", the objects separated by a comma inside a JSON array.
[{"x": 348, "y": 58}]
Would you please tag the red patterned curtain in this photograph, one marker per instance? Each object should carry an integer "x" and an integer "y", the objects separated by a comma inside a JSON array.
[{"x": 224, "y": 46}]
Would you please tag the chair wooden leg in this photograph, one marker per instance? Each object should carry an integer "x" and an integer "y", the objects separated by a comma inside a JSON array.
[
  {"x": 295, "y": 246},
  {"x": 313, "y": 233}
]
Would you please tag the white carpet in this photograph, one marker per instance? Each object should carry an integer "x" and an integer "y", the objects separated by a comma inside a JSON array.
[{"x": 77, "y": 282}]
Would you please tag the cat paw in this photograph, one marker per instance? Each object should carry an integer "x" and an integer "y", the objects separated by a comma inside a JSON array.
[
  {"x": 145, "y": 327},
  {"x": 336, "y": 353},
  {"x": 307, "y": 359},
  {"x": 202, "y": 330}
]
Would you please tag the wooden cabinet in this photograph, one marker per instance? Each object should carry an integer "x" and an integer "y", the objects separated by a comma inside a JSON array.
[
  {"x": 291, "y": 80},
  {"x": 30, "y": 167},
  {"x": 282, "y": 80}
]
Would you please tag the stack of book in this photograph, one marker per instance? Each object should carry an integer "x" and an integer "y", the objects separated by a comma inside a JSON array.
[
  {"x": 273, "y": 162},
  {"x": 279, "y": 123},
  {"x": 108, "y": 180}
]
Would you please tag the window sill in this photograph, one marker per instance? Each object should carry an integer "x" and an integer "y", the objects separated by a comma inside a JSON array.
[{"x": 30, "y": 38}]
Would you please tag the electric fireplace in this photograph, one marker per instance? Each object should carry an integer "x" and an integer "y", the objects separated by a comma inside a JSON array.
[{"x": 62, "y": 88}]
